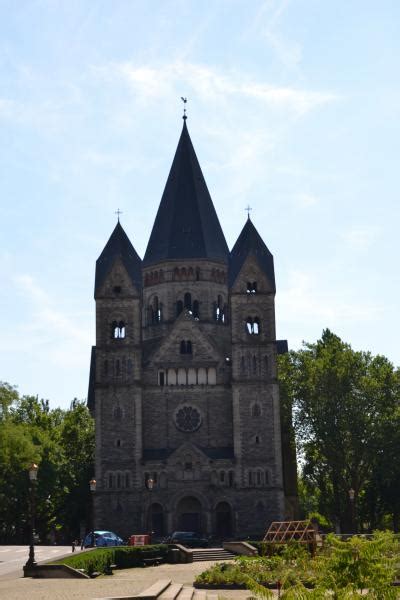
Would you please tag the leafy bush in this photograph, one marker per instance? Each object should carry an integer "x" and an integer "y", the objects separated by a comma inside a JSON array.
[
  {"x": 342, "y": 570},
  {"x": 124, "y": 557}
]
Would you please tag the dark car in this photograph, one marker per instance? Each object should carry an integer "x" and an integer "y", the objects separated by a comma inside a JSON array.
[{"x": 190, "y": 539}]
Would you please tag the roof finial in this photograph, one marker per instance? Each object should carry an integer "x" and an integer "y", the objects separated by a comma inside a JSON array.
[
  {"x": 184, "y": 100},
  {"x": 118, "y": 212},
  {"x": 248, "y": 208}
]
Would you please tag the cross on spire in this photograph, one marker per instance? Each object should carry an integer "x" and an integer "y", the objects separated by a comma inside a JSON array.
[
  {"x": 118, "y": 212},
  {"x": 184, "y": 100},
  {"x": 248, "y": 209}
]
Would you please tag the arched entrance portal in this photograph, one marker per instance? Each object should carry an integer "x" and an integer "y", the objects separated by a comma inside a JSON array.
[
  {"x": 223, "y": 516},
  {"x": 156, "y": 519},
  {"x": 189, "y": 514}
]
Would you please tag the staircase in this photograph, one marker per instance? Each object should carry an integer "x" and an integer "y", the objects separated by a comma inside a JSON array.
[
  {"x": 164, "y": 589},
  {"x": 211, "y": 554}
]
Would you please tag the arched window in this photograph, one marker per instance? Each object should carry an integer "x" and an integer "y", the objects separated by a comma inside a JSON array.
[
  {"x": 253, "y": 325},
  {"x": 256, "y": 410},
  {"x": 222, "y": 476},
  {"x": 105, "y": 367},
  {"x": 176, "y": 274},
  {"x": 249, "y": 325},
  {"x": 242, "y": 365},
  {"x": 197, "y": 273},
  {"x": 259, "y": 478},
  {"x": 155, "y": 311},
  {"x": 231, "y": 478},
  {"x": 118, "y": 329},
  {"x": 257, "y": 439},
  {"x": 179, "y": 307},
  {"x": 129, "y": 367},
  {"x": 251, "y": 287},
  {"x": 187, "y": 301},
  {"x": 254, "y": 365},
  {"x": 183, "y": 347},
  {"x": 188, "y": 347},
  {"x": 110, "y": 480},
  {"x": 118, "y": 443},
  {"x": 267, "y": 478},
  {"x": 256, "y": 326},
  {"x": 127, "y": 480},
  {"x": 219, "y": 310},
  {"x": 196, "y": 309},
  {"x": 188, "y": 465},
  {"x": 250, "y": 477}
]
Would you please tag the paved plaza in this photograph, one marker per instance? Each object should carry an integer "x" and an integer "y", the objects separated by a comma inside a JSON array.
[{"x": 123, "y": 583}]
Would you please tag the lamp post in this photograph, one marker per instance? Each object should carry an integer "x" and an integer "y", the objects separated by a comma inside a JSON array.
[
  {"x": 351, "y": 498},
  {"x": 150, "y": 485},
  {"x": 92, "y": 486},
  {"x": 32, "y": 471}
]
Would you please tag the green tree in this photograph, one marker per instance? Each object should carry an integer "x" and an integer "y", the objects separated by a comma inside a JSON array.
[{"x": 343, "y": 400}]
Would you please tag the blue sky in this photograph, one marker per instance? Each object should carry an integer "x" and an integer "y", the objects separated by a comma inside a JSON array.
[{"x": 293, "y": 108}]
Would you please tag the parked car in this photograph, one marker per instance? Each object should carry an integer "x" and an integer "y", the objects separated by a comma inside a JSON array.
[
  {"x": 190, "y": 539},
  {"x": 102, "y": 538}
]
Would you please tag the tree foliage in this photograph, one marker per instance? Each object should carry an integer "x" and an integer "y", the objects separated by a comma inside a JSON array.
[
  {"x": 62, "y": 444},
  {"x": 346, "y": 413}
]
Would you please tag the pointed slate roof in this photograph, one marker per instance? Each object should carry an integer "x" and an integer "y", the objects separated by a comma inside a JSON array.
[
  {"x": 250, "y": 242},
  {"x": 186, "y": 225},
  {"x": 118, "y": 246}
]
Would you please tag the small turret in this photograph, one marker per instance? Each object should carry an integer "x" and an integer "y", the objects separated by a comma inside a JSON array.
[
  {"x": 249, "y": 243},
  {"x": 118, "y": 246}
]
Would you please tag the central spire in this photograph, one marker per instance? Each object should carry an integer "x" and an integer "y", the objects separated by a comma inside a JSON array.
[{"x": 186, "y": 225}]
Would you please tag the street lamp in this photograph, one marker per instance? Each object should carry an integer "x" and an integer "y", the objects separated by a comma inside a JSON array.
[
  {"x": 150, "y": 483},
  {"x": 32, "y": 471},
  {"x": 92, "y": 486},
  {"x": 351, "y": 498}
]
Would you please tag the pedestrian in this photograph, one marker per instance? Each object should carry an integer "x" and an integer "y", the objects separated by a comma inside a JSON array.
[
  {"x": 73, "y": 546},
  {"x": 82, "y": 542}
]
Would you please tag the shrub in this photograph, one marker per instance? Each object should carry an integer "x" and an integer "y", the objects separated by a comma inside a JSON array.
[{"x": 124, "y": 557}]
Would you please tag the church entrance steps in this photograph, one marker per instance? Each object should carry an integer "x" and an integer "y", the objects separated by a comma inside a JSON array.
[{"x": 212, "y": 554}]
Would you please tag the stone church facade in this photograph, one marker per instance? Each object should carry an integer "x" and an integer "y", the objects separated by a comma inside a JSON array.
[{"x": 190, "y": 434}]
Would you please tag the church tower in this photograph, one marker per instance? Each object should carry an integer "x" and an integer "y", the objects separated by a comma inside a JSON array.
[{"x": 183, "y": 382}]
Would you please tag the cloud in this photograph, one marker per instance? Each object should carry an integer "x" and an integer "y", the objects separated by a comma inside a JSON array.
[{"x": 149, "y": 83}]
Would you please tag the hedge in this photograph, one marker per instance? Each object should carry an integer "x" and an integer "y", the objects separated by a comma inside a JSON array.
[{"x": 124, "y": 557}]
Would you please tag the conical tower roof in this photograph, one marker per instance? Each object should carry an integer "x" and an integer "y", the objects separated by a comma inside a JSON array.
[
  {"x": 186, "y": 225},
  {"x": 118, "y": 246},
  {"x": 250, "y": 242}
]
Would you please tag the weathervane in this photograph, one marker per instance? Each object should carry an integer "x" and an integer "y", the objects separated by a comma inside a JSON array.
[
  {"x": 248, "y": 208},
  {"x": 184, "y": 100},
  {"x": 118, "y": 212}
]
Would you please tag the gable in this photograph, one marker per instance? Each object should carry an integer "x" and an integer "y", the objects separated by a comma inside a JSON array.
[
  {"x": 251, "y": 271},
  {"x": 186, "y": 328},
  {"x": 117, "y": 277}
]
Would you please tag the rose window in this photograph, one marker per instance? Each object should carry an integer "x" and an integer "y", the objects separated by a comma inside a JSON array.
[{"x": 187, "y": 418}]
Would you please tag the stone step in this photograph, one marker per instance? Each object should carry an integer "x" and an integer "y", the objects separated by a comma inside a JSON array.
[
  {"x": 200, "y": 595},
  {"x": 186, "y": 593},
  {"x": 171, "y": 592},
  {"x": 212, "y": 555},
  {"x": 154, "y": 590}
]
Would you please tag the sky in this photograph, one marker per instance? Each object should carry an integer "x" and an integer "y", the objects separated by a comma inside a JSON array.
[{"x": 293, "y": 108}]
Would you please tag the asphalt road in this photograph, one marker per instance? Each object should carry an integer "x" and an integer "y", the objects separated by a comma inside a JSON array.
[{"x": 13, "y": 558}]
